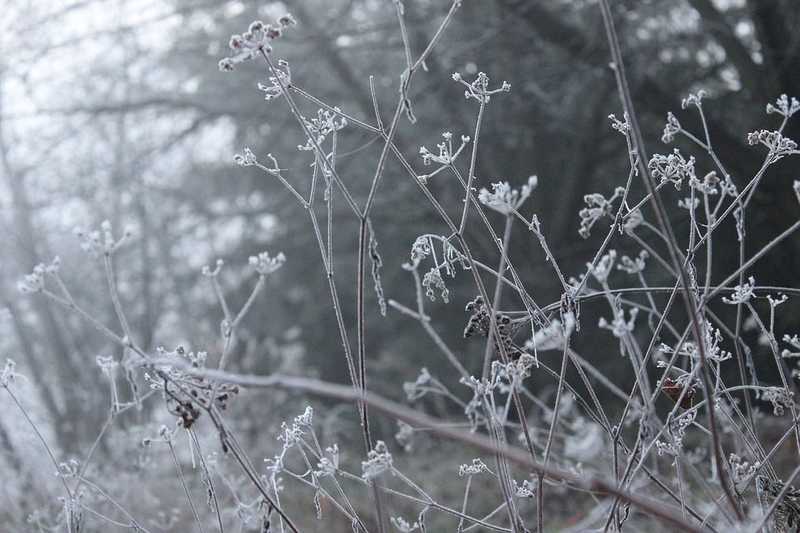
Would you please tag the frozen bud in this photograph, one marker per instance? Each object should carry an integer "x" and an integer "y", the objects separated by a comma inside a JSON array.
[
  {"x": 107, "y": 364},
  {"x": 54, "y": 266},
  {"x": 379, "y": 460},
  {"x": 784, "y": 106},
  {"x": 225, "y": 64},
  {"x": 695, "y": 99},
  {"x": 671, "y": 128},
  {"x": 246, "y": 158},
  {"x": 402, "y": 525},
  {"x": 526, "y": 490},
  {"x": 8, "y": 374},
  {"x": 477, "y": 467},
  {"x": 287, "y": 20},
  {"x": 33, "y": 282},
  {"x": 264, "y": 264},
  {"x": 206, "y": 271},
  {"x": 456, "y": 76},
  {"x": 236, "y": 42},
  {"x": 741, "y": 293},
  {"x": 272, "y": 33},
  {"x": 306, "y": 418},
  {"x": 255, "y": 26}
]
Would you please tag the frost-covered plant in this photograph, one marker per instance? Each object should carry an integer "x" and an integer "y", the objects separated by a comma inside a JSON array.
[{"x": 545, "y": 421}]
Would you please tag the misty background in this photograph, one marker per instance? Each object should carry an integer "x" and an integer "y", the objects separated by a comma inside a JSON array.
[{"x": 115, "y": 110}]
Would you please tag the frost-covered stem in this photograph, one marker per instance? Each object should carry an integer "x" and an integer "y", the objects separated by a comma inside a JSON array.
[
  {"x": 115, "y": 503},
  {"x": 288, "y": 186},
  {"x": 375, "y": 107},
  {"x": 259, "y": 286},
  {"x": 709, "y": 245},
  {"x": 751, "y": 185},
  {"x": 549, "y": 257},
  {"x": 361, "y": 329},
  {"x": 106, "y": 426},
  {"x": 207, "y": 475},
  {"x": 362, "y": 358},
  {"x": 531, "y": 306},
  {"x": 503, "y": 355},
  {"x": 758, "y": 255},
  {"x": 498, "y": 293},
  {"x": 226, "y": 311},
  {"x": 478, "y": 282},
  {"x": 439, "y": 507},
  {"x": 403, "y": 32},
  {"x": 628, "y": 403},
  {"x": 616, "y": 224},
  {"x": 503, "y": 475},
  {"x": 679, "y": 475},
  {"x": 103, "y": 517},
  {"x": 643, "y": 201},
  {"x": 674, "y": 250},
  {"x": 114, "y": 293},
  {"x": 317, "y": 149},
  {"x": 337, "y": 307},
  {"x": 783, "y": 369},
  {"x": 553, "y": 422},
  {"x": 740, "y": 362},
  {"x": 389, "y": 142},
  {"x": 338, "y": 485},
  {"x": 581, "y": 362},
  {"x": 460, "y": 527},
  {"x": 487, "y": 516},
  {"x": 436, "y": 36},
  {"x": 41, "y": 438},
  {"x": 185, "y": 487},
  {"x": 238, "y": 453},
  {"x": 85, "y": 463},
  {"x": 425, "y": 323},
  {"x": 329, "y": 206},
  {"x": 418, "y": 419},
  {"x": 321, "y": 490},
  {"x": 472, "y": 162},
  {"x": 350, "y": 119},
  {"x": 231, "y": 325}
]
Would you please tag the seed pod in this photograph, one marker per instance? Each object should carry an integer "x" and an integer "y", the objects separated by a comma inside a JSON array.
[{"x": 673, "y": 389}]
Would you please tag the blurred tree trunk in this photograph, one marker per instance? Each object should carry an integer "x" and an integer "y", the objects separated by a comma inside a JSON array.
[{"x": 65, "y": 415}]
